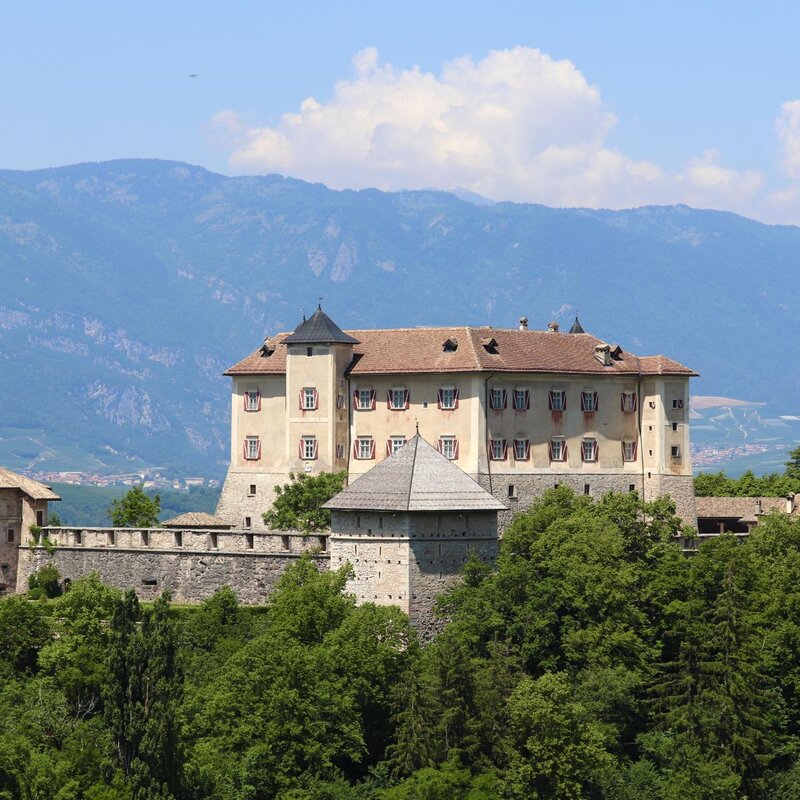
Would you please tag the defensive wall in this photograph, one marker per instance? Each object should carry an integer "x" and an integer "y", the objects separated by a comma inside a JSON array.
[{"x": 191, "y": 564}]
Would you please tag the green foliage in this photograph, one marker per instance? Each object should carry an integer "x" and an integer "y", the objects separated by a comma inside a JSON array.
[
  {"x": 793, "y": 465},
  {"x": 773, "y": 484},
  {"x": 54, "y": 520},
  {"x": 297, "y": 504},
  {"x": 36, "y": 533},
  {"x": 592, "y": 661},
  {"x": 135, "y": 510},
  {"x": 46, "y": 578}
]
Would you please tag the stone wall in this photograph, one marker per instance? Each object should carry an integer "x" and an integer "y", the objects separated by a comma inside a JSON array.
[
  {"x": 520, "y": 491},
  {"x": 192, "y": 564}
]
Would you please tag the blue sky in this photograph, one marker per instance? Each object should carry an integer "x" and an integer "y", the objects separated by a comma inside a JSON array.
[{"x": 568, "y": 104}]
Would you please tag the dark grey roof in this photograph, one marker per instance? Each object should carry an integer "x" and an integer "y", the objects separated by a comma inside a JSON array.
[
  {"x": 577, "y": 327},
  {"x": 415, "y": 478},
  {"x": 319, "y": 329}
]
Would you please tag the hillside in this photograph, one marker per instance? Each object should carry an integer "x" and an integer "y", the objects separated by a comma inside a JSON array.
[{"x": 129, "y": 286}]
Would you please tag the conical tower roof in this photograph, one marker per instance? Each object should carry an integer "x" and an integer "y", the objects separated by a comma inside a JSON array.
[
  {"x": 577, "y": 327},
  {"x": 319, "y": 329},
  {"x": 415, "y": 478}
]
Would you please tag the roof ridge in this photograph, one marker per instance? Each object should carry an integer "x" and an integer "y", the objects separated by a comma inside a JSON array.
[{"x": 413, "y": 467}]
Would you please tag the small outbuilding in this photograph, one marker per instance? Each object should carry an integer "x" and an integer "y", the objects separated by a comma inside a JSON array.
[{"x": 408, "y": 526}]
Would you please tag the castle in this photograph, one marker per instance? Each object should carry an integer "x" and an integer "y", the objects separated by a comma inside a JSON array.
[
  {"x": 443, "y": 433},
  {"x": 518, "y": 410}
]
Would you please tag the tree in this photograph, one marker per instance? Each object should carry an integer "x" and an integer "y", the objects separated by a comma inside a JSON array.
[
  {"x": 135, "y": 510},
  {"x": 54, "y": 520},
  {"x": 298, "y": 504},
  {"x": 46, "y": 578},
  {"x": 793, "y": 464}
]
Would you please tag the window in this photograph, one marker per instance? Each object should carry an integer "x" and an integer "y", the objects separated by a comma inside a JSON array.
[
  {"x": 628, "y": 450},
  {"x": 309, "y": 399},
  {"x": 397, "y": 399},
  {"x": 364, "y": 399},
  {"x": 285, "y": 542},
  {"x": 675, "y": 426},
  {"x": 587, "y": 488},
  {"x": 498, "y": 398},
  {"x": 522, "y": 399},
  {"x": 589, "y": 402},
  {"x": 558, "y": 400},
  {"x": 498, "y": 449},
  {"x": 111, "y": 538},
  {"x": 558, "y": 450},
  {"x": 178, "y": 538},
  {"x": 249, "y": 541},
  {"x": 309, "y": 351},
  {"x": 252, "y": 490},
  {"x": 675, "y": 452},
  {"x": 252, "y": 448},
  {"x": 364, "y": 447},
  {"x": 214, "y": 541},
  {"x": 512, "y": 492},
  {"x": 308, "y": 448},
  {"x": 522, "y": 449},
  {"x": 448, "y": 398},
  {"x": 628, "y": 402},
  {"x": 677, "y": 403},
  {"x": 394, "y": 443},
  {"x": 339, "y": 401},
  {"x": 40, "y": 517},
  {"x": 248, "y": 522},
  {"x": 339, "y": 451},
  {"x": 252, "y": 400},
  {"x": 448, "y": 447},
  {"x": 631, "y": 487},
  {"x": 589, "y": 449},
  {"x": 145, "y": 538},
  {"x": 10, "y": 535},
  {"x": 78, "y": 537}
]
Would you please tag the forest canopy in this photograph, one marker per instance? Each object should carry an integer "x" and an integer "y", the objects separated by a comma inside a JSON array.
[{"x": 594, "y": 660}]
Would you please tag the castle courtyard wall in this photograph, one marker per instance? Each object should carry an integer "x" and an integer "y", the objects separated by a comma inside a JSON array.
[{"x": 185, "y": 562}]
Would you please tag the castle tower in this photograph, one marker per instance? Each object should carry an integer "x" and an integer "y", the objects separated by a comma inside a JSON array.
[
  {"x": 289, "y": 415},
  {"x": 408, "y": 526}
]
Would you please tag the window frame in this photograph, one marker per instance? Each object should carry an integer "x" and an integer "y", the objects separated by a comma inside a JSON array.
[
  {"x": 562, "y": 448},
  {"x": 498, "y": 448},
  {"x": 392, "y": 394},
  {"x": 441, "y": 398},
  {"x": 249, "y": 453},
  {"x": 309, "y": 398},
  {"x": 589, "y": 398},
  {"x": 309, "y": 447},
  {"x": 632, "y": 406},
  {"x": 526, "y": 448},
  {"x": 629, "y": 457},
  {"x": 448, "y": 446},
  {"x": 526, "y": 399},
  {"x": 251, "y": 405},
  {"x": 498, "y": 398},
  {"x": 592, "y": 456},
  {"x": 391, "y": 443},
  {"x": 551, "y": 400},
  {"x": 360, "y": 442},
  {"x": 359, "y": 395}
]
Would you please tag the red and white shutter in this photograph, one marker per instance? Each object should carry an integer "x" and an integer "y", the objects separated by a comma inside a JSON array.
[
  {"x": 505, "y": 398},
  {"x": 301, "y": 450},
  {"x": 441, "y": 444},
  {"x": 302, "y": 399},
  {"x": 550, "y": 400},
  {"x": 314, "y": 446},
  {"x": 355, "y": 399},
  {"x": 388, "y": 447},
  {"x": 372, "y": 448},
  {"x": 356, "y": 453},
  {"x": 550, "y": 450},
  {"x": 455, "y": 449},
  {"x": 244, "y": 450},
  {"x": 316, "y": 399},
  {"x": 564, "y": 452},
  {"x": 505, "y": 449},
  {"x": 455, "y": 398},
  {"x": 372, "y": 399},
  {"x": 407, "y": 393},
  {"x": 596, "y": 406},
  {"x": 441, "y": 394},
  {"x": 389, "y": 399},
  {"x": 258, "y": 449},
  {"x": 527, "y": 399},
  {"x": 635, "y": 401},
  {"x": 597, "y": 451},
  {"x": 527, "y": 449}
]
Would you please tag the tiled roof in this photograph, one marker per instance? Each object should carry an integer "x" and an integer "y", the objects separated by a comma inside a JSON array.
[
  {"x": 32, "y": 488},
  {"x": 418, "y": 350},
  {"x": 415, "y": 478},
  {"x": 195, "y": 519},
  {"x": 319, "y": 329},
  {"x": 746, "y": 509}
]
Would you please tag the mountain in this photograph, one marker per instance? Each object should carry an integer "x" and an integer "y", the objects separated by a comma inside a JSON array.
[{"x": 129, "y": 286}]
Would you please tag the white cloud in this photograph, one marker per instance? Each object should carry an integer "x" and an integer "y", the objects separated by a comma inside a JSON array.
[{"x": 516, "y": 125}]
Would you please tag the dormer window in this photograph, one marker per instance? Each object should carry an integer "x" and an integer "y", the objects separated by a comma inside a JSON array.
[
  {"x": 489, "y": 344},
  {"x": 450, "y": 346}
]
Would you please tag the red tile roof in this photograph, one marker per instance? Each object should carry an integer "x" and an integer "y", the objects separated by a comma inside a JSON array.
[{"x": 418, "y": 350}]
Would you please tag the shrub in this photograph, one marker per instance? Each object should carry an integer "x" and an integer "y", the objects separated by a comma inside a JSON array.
[{"x": 46, "y": 578}]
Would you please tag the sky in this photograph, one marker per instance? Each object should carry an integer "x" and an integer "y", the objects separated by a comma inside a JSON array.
[{"x": 612, "y": 105}]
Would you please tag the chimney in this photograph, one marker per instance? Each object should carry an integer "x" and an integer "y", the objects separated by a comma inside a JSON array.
[
  {"x": 552, "y": 327},
  {"x": 523, "y": 323},
  {"x": 759, "y": 506},
  {"x": 602, "y": 352}
]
